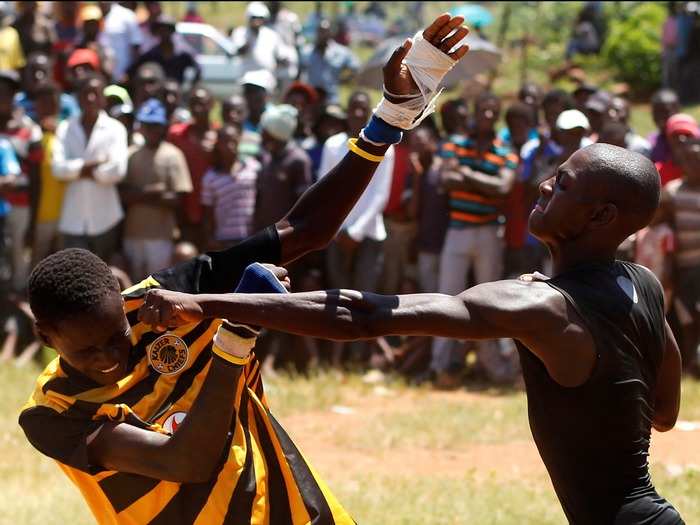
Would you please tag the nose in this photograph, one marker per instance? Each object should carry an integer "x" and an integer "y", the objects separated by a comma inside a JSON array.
[{"x": 546, "y": 187}]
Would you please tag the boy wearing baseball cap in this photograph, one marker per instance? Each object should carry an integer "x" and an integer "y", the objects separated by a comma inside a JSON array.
[{"x": 156, "y": 178}]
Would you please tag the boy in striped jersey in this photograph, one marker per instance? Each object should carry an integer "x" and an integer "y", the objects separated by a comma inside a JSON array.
[
  {"x": 681, "y": 200},
  {"x": 479, "y": 174},
  {"x": 173, "y": 427}
]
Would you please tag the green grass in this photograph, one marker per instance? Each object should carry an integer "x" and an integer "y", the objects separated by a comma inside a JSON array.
[
  {"x": 34, "y": 490},
  {"x": 467, "y": 500},
  {"x": 462, "y": 423},
  {"x": 390, "y": 423}
]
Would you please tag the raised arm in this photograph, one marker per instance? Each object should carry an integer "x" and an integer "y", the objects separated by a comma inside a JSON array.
[{"x": 316, "y": 217}]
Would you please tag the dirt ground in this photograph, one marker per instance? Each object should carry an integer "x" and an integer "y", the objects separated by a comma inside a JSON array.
[{"x": 316, "y": 434}]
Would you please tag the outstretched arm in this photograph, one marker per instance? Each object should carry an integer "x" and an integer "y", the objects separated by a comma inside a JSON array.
[
  {"x": 531, "y": 312},
  {"x": 316, "y": 217},
  {"x": 490, "y": 310}
]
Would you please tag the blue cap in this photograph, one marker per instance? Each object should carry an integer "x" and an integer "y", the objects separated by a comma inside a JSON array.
[{"x": 152, "y": 112}]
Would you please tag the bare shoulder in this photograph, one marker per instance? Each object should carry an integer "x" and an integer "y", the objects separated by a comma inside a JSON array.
[
  {"x": 553, "y": 330},
  {"x": 518, "y": 296},
  {"x": 521, "y": 307}
]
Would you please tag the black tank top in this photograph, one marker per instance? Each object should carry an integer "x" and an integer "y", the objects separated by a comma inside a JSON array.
[{"x": 594, "y": 438}]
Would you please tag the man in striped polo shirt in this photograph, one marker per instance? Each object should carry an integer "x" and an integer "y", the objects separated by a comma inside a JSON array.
[
  {"x": 681, "y": 197},
  {"x": 479, "y": 174}
]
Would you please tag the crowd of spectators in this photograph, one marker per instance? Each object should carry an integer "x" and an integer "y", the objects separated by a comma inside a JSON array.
[{"x": 103, "y": 148}]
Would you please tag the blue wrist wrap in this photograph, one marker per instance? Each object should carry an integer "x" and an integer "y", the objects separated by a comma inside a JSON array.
[
  {"x": 379, "y": 131},
  {"x": 258, "y": 279}
]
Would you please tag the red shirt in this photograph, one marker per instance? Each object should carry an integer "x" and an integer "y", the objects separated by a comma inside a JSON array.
[
  {"x": 398, "y": 179},
  {"x": 198, "y": 161},
  {"x": 25, "y": 137},
  {"x": 668, "y": 170}
]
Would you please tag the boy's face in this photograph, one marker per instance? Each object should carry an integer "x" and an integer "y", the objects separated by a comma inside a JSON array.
[
  {"x": 234, "y": 111},
  {"x": 486, "y": 115},
  {"x": 91, "y": 99},
  {"x": 227, "y": 143},
  {"x": 200, "y": 105},
  {"x": 519, "y": 128},
  {"x": 662, "y": 111},
  {"x": 153, "y": 134},
  {"x": 47, "y": 105},
  {"x": 562, "y": 212},
  {"x": 97, "y": 344}
]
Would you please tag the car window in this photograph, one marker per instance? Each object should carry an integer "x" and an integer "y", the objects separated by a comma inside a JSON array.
[{"x": 203, "y": 45}]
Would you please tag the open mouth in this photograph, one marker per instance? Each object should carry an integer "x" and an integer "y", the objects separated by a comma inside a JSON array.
[{"x": 110, "y": 369}]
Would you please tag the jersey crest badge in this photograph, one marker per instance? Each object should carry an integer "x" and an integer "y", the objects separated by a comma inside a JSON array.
[
  {"x": 173, "y": 421},
  {"x": 168, "y": 354}
]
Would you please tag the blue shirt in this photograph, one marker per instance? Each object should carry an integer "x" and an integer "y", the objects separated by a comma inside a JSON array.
[
  {"x": 504, "y": 135},
  {"x": 9, "y": 165},
  {"x": 323, "y": 70},
  {"x": 68, "y": 106}
]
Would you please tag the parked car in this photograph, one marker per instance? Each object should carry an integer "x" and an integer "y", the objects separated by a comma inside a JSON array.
[{"x": 221, "y": 70}]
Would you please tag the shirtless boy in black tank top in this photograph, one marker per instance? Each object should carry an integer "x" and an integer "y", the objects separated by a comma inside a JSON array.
[{"x": 601, "y": 365}]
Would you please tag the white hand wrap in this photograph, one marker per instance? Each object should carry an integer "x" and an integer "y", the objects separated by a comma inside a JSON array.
[
  {"x": 428, "y": 66},
  {"x": 235, "y": 339}
]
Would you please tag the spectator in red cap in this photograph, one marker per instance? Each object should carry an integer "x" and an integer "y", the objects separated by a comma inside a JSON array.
[
  {"x": 304, "y": 98},
  {"x": 81, "y": 64},
  {"x": 679, "y": 128}
]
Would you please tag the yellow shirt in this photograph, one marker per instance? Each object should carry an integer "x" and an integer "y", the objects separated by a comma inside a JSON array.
[
  {"x": 52, "y": 189},
  {"x": 264, "y": 479},
  {"x": 11, "y": 55}
]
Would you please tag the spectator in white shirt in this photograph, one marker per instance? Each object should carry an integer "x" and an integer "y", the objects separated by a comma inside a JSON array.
[
  {"x": 355, "y": 257},
  {"x": 121, "y": 34},
  {"x": 261, "y": 47},
  {"x": 90, "y": 153}
]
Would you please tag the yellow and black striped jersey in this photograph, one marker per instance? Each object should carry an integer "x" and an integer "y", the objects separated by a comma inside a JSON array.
[{"x": 262, "y": 477}]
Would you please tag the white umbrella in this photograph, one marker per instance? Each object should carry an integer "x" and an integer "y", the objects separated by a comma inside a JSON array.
[{"x": 482, "y": 57}]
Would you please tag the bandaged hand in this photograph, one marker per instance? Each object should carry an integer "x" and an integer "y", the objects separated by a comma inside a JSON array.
[
  {"x": 414, "y": 71},
  {"x": 234, "y": 341}
]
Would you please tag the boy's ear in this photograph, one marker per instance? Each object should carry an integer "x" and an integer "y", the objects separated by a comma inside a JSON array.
[{"x": 41, "y": 333}]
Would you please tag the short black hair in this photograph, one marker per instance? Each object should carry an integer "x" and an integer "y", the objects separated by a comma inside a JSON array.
[
  {"x": 69, "y": 283},
  {"x": 664, "y": 96},
  {"x": 558, "y": 96},
  {"x": 486, "y": 96},
  {"x": 520, "y": 110}
]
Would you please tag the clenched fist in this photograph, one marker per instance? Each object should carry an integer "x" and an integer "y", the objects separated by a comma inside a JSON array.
[{"x": 164, "y": 309}]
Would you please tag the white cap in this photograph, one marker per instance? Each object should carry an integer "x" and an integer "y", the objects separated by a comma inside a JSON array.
[
  {"x": 280, "y": 121},
  {"x": 571, "y": 119},
  {"x": 257, "y": 10},
  {"x": 260, "y": 77}
]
